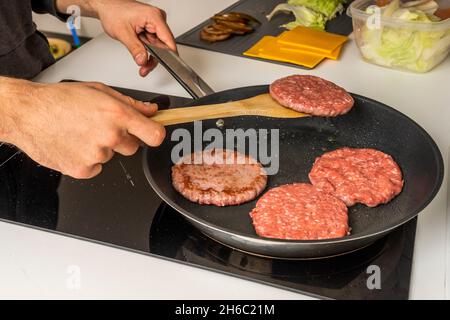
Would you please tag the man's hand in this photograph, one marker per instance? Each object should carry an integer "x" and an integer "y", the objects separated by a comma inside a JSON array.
[
  {"x": 123, "y": 20},
  {"x": 74, "y": 128}
]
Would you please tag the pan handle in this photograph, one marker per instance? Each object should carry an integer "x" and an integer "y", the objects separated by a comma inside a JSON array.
[{"x": 179, "y": 69}]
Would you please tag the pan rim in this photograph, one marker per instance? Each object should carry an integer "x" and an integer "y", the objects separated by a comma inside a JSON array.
[{"x": 273, "y": 241}]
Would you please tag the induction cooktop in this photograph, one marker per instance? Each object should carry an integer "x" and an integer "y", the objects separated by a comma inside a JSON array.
[{"x": 119, "y": 208}]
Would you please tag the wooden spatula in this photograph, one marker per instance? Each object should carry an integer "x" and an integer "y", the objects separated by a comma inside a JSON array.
[{"x": 262, "y": 105}]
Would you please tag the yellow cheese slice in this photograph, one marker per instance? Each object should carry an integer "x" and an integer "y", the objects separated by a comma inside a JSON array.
[
  {"x": 312, "y": 39},
  {"x": 267, "y": 48},
  {"x": 333, "y": 55}
]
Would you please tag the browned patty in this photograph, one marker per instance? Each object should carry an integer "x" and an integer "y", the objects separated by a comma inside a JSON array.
[
  {"x": 300, "y": 212},
  {"x": 223, "y": 178},
  {"x": 365, "y": 176},
  {"x": 312, "y": 95}
]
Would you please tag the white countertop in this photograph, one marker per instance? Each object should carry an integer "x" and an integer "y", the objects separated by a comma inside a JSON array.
[{"x": 35, "y": 263}]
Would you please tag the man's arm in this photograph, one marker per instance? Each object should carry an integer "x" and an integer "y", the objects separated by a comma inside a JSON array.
[
  {"x": 74, "y": 128},
  {"x": 124, "y": 20},
  {"x": 88, "y": 7},
  {"x": 6, "y": 122}
]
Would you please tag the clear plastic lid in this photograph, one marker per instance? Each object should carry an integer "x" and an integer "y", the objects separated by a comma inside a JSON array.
[{"x": 357, "y": 10}]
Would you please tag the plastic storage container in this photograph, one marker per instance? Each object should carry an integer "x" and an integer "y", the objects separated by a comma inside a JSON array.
[{"x": 399, "y": 44}]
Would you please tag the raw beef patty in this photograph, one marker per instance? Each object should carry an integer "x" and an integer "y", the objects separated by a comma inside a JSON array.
[
  {"x": 299, "y": 212},
  {"x": 223, "y": 178},
  {"x": 365, "y": 176},
  {"x": 312, "y": 95}
]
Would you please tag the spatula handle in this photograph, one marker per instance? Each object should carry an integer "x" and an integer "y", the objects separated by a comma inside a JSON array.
[{"x": 190, "y": 114}]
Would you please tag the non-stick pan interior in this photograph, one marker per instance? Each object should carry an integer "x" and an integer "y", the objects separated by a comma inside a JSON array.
[{"x": 369, "y": 125}]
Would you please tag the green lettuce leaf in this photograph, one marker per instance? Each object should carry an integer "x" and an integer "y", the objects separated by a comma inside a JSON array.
[
  {"x": 329, "y": 8},
  {"x": 303, "y": 16}
]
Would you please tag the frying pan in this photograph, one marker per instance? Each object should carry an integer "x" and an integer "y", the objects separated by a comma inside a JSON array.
[{"x": 370, "y": 124}]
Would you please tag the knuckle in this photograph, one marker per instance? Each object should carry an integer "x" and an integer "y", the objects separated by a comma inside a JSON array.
[
  {"x": 81, "y": 172},
  {"x": 130, "y": 100},
  {"x": 97, "y": 85},
  {"x": 133, "y": 148},
  {"x": 157, "y": 11},
  {"x": 130, "y": 150},
  {"x": 118, "y": 111},
  {"x": 99, "y": 155},
  {"x": 112, "y": 138},
  {"x": 96, "y": 170},
  {"x": 159, "y": 135}
]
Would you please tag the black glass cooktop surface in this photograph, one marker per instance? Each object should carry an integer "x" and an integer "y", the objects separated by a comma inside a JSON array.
[{"x": 119, "y": 208}]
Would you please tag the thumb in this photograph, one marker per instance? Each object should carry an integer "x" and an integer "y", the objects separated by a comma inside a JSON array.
[{"x": 134, "y": 46}]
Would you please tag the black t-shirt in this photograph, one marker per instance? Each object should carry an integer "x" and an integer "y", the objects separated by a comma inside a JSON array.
[{"x": 24, "y": 52}]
